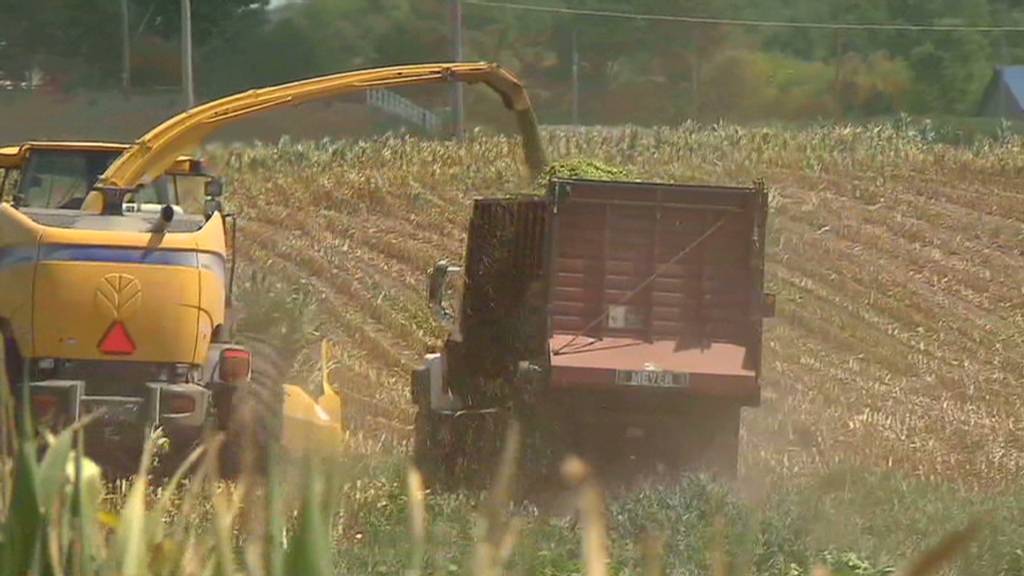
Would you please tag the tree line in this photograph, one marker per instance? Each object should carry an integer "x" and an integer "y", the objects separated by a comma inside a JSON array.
[{"x": 629, "y": 70}]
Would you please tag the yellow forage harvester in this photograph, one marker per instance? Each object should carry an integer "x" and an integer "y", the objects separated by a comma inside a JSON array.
[{"x": 116, "y": 280}]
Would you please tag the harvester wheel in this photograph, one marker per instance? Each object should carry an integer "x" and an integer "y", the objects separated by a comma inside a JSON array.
[
  {"x": 253, "y": 425},
  {"x": 252, "y": 414},
  {"x": 13, "y": 364}
]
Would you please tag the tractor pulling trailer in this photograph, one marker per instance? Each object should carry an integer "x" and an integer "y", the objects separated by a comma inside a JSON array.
[{"x": 620, "y": 321}]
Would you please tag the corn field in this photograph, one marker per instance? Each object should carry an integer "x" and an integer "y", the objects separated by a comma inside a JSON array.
[
  {"x": 889, "y": 439},
  {"x": 897, "y": 261}
]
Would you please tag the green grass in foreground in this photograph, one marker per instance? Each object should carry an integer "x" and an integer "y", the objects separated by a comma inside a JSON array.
[
  {"x": 365, "y": 515},
  {"x": 851, "y": 522}
]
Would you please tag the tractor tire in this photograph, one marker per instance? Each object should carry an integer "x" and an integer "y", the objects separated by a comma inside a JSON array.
[
  {"x": 478, "y": 438},
  {"x": 454, "y": 451},
  {"x": 431, "y": 453}
]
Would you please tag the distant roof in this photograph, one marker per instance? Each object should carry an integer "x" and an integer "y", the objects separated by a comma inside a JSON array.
[{"x": 1013, "y": 78}]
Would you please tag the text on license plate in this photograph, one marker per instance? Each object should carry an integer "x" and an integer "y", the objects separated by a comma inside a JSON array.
[
  {"x": 114, "y": 410},
  {"x": 656, "y": 378}
]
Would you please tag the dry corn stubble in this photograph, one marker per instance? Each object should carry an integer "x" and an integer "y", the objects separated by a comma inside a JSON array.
[{"x": 899, "y": 335}]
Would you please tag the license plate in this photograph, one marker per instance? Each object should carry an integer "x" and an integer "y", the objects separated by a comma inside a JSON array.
[
  {"x": 652, "y": 378},
  {"x": 114, "y": 410}
]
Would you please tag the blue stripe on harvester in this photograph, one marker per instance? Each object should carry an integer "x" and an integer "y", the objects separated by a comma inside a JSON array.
[
  {"x": 16, "y": 256},
  {"x": 183, "y": 258},
  {"x": 57, "y": 253},
  {"x": 213, "y": 263}
]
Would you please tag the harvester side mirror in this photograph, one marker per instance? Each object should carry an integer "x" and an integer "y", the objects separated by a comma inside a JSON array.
[
  {"x": 444, "y": 293},
  {"x": 211, "y": 206},
  {"x": 214, "y": 188}
]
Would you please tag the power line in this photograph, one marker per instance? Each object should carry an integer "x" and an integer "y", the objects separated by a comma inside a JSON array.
[{"x": 741, "y": 22}]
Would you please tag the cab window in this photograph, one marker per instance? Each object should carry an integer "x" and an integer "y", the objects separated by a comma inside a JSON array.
[
  {"x": 191, "y": 191},
  {"x": 186, "y": 191},
  {"x": 8, "y": 183},
  {"x": 160, "y": 191},
  {"x": 61, "y": 179}
]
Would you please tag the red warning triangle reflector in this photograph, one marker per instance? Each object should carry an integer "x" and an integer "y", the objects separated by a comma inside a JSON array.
[{"x": 116, "y": 341}]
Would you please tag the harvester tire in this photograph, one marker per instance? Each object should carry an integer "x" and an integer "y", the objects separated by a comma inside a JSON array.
[
  {"x": 251, "y": 429},
  {"x": 252, "y": 414},
  {"x": 13, "y": 364}
]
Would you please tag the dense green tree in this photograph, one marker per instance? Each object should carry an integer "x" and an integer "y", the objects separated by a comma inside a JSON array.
[
  {"x": 647, "y": 71},
  {"x": 209, "y": 17},
  {"x": 79, "y": 42}
]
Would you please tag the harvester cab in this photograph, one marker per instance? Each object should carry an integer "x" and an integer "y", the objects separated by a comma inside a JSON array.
[{"x": 59, "y": 176}]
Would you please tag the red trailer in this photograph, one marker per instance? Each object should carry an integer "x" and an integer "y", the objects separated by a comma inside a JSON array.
[{"x": 620, "y": 321}]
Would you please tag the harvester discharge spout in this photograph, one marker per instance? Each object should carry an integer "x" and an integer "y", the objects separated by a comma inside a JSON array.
[
  {"x": 117, "y": 295},
  {"x": 150, "y": 155}
]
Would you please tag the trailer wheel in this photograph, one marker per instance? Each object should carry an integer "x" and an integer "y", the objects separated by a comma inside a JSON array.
[{"x": 712, "y": 440}]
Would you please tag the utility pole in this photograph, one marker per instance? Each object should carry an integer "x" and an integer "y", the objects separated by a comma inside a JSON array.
[
  {"x": 838, "y": 74},
  {"x": 694, "y": 75},
  {"x": 186, "y": 54},
  {"x": 126, "y": 47},
  {"x": 458, "y": 102},
  {"x": 575, "y": 80},
  {"x": 1001, "y": 78}
]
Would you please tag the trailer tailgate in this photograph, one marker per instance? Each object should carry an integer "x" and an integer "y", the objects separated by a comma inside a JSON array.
[{"x": 657, "y": 285}]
